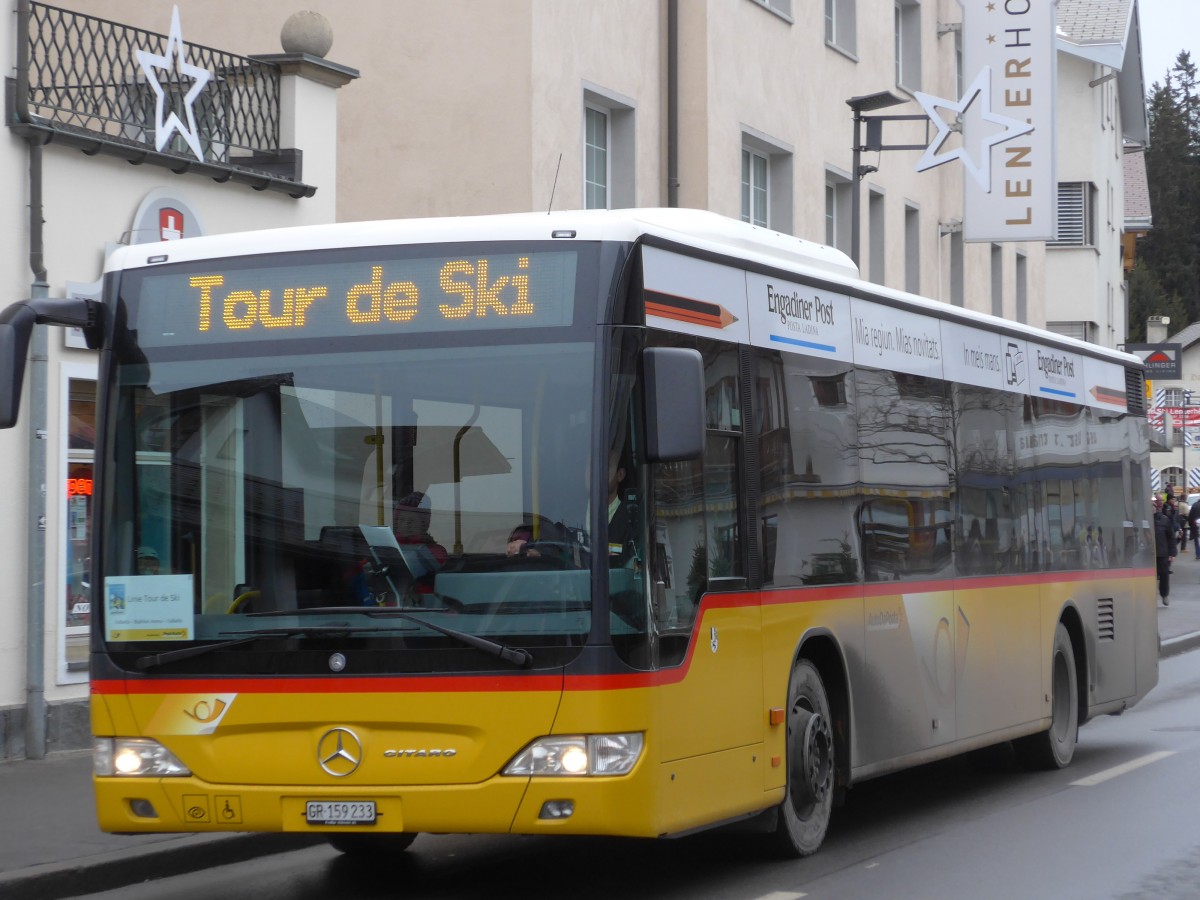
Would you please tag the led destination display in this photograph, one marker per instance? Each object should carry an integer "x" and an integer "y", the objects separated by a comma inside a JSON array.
[{"x": 433, "y": 294}]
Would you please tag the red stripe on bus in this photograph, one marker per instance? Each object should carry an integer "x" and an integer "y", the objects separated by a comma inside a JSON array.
[{"x": 384, "y": 684}]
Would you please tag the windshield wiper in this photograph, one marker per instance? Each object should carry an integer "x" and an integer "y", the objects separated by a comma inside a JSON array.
[
  {"x": 152, "y": 660},
  {"x": 515, "y": 655}
]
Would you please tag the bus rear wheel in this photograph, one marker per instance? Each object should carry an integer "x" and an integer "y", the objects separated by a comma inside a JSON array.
[
  {"x": 803, "y": 817},
  {"x": 1055, "y": 747},
  {"x": 359, "y": 844}
]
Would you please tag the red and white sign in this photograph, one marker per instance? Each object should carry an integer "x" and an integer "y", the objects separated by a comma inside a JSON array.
[
  {"x": 164, "y": 216},
  {"x": 170, "y": 224}
]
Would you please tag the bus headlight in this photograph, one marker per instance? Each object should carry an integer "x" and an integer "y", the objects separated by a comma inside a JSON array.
[
  {"x": 134, "y": 757},
  {"x": 593, "y": 754}
]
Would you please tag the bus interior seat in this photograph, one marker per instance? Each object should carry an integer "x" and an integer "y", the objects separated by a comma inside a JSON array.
[{"x": 325, "y": 568}]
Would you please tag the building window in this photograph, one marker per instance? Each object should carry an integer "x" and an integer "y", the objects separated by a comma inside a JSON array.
[
  {"x": 875, "y": 231},
  {"x": 1111, "y": 317},
  {"x": 1174, "y": 396},
  {"x": 912, "y": 250},
  {"x": 1022, "y": 288},
  {"x": 779, "y": 7},
  {"x": 908, "y": 44},
  {"x": 1080, "y": 331},
  {"x": 837, "y": 211},
  {"x": 79, "y": 386},
  {"x": 1172, "y": 475},
  {"x": 1076, "y": 215},
  {"x": 595, "y": 169},
  {"x": 997, "y": 280},
  {"x": 958, "y": 64},
  {"x": 609, "y": 158},
  {"x": 766, "y": 181},
  {"x": 839, "y": 24},
  {"x": 957, "y": 269},
  {"x": 754, "y": 187}
]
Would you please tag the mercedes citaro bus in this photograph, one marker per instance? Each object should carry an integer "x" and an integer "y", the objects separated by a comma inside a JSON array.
[{"x": 609, "y": 522}]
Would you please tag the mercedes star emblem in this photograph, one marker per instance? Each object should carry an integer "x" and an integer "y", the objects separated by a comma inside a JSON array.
[{"x": 339, "y": 752}]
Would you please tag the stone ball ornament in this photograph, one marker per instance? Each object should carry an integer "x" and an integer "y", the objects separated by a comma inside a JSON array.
[{"x": 306, "y": 32}]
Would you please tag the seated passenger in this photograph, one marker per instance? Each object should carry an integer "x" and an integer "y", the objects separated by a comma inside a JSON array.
[
  {"x": 410, "y": 521},
  {"x": 147, "y": 560},
  {"x": 517, "y": 541}
]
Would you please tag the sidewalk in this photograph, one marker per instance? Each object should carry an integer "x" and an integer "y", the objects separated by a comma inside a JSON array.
[
  {"x": 50, "y": 846},
  {"x": 1179, "y": 623}
]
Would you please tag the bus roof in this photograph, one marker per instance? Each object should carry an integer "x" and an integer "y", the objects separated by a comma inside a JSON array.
[{"x": 699, "y": 230}]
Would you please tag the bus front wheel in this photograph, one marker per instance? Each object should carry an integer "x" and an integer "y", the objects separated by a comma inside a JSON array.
[
  {"x": 1055, "y": 747},
  {"x": 803, "y": 817}
]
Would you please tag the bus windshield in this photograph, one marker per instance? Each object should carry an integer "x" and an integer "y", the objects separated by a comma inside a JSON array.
[{"x": 404, "y": 499}]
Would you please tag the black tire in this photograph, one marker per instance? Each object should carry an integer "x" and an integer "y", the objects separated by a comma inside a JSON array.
[
  {"x": 803, "y": 817},
  {"x": 375, "y": 845},
  {"x": 1055, "y": 747}
]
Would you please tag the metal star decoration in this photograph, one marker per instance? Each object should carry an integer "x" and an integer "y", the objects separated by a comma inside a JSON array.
[
  {"x": 176, "y": 68},
  {"x": 981, "y": 90}
]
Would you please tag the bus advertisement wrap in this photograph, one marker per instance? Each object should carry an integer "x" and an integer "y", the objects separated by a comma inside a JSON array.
[{"x": 826, "y": 323}]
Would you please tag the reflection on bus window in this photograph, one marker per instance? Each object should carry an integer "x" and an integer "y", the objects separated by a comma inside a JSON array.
[
  {"x": 808, "y": 470},
  {"x": 697, "y": 545},
  {"x": 904, "y": 537},
  {"x": 904, "y": 520}
]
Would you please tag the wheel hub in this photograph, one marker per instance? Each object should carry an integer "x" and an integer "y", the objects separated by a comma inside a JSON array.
[{"x": 816, "y": 758}]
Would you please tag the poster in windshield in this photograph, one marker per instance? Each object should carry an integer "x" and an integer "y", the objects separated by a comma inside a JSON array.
[{"x": 148, "y": 608}]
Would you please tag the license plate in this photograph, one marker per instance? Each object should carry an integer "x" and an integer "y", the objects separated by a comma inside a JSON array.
[{"x": 340, "y": 812}]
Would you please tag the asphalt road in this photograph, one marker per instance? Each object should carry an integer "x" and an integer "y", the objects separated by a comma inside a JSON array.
[
  {"x": 51, "y": 847},
  {"x": 1118, "y": 823}
]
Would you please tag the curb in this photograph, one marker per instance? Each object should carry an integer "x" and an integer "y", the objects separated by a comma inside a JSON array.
[
  {"x": 174, "y": 856},
  {"x": 1181, "y": 644}
]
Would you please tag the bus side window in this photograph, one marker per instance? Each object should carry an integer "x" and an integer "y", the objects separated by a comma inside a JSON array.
[
  {"x": 697, "y": 546},
  {"x": 808, "y": 470}
]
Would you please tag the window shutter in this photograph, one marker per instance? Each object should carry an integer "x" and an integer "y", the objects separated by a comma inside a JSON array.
[{"x": 1071, "y": 229}]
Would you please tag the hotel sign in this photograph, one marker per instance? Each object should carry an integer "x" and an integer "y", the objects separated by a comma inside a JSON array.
[
  {"x": 1161, "y": 360},
  {"x": 1005, "y": 121}
]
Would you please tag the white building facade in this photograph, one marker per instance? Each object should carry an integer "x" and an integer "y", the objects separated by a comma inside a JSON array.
[
  {"x": 85, "y": 110},
  {"x": 1101, "y": 111},
  {"x": 735, "y": 106}
]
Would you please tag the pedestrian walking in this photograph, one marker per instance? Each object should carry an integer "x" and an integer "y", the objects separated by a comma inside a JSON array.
[
  {"x": 1164, "y": 549},
  {"x": 1193, "y": 518},
  {"x": 1171, "y": 510}
]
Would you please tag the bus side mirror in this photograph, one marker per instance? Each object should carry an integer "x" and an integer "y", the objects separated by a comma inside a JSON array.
[
  {"x": 16, "y": 327},
  {"x": 674, "y": 385}
]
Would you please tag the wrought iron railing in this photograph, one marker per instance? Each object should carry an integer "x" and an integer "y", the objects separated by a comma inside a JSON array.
[{"x": 81, "y": 78}]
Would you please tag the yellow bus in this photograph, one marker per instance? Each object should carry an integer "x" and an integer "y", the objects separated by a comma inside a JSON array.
[{"x": 623, "y": 523}]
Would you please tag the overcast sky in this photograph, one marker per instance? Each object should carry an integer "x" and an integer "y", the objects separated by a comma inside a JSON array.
[{"x": 1168, "y": 26}]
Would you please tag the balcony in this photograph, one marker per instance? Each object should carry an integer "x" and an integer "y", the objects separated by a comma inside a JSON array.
[{"x": 149, "y": 98}]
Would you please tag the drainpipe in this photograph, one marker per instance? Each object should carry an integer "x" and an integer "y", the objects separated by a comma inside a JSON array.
[
  {"x": 672, "y": 102},
  {"x": 35, "y": 628}
]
